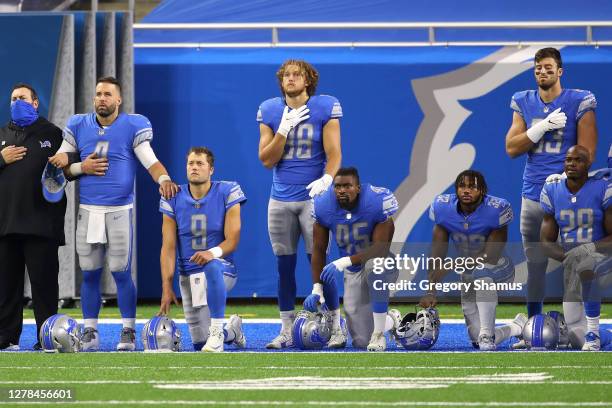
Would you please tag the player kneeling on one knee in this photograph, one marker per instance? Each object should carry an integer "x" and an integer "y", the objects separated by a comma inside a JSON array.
[
  {"x": 201, "y": 230},
  {"x": 359, "y": 219},
  {"x": 477, "y": 225}
]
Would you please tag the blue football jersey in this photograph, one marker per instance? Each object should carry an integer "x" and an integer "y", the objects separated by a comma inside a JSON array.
[
  {"x": 469, "y": 233},
  {"x": 304, "y": 158},
  {"x": 580, "y": 216},
  {"x": 547, "y": 157},
  {"x": 117, "y": 143},
  {"x": 200, "y": 223},
  {"x": 352, "y": 230},
  {"x": 610, "y": 156}
]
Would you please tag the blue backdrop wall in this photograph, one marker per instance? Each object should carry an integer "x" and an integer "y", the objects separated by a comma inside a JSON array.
[{"x": 413, "y": 118}]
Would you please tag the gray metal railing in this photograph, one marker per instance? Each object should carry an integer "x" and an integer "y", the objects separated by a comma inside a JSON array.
[{"x": 431, "y": 28}]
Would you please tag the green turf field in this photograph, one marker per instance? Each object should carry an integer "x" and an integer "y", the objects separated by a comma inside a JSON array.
[
  {"x": 519, "y": 379},
  {"x": 268, "y": 310}
]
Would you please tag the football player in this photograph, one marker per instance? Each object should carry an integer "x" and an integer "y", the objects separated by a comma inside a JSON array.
[
  {"x": 300, "y": 141},
  {"x": 477, "y": 225},
  {"x": 580, "y": 208},
  {"x": 359, "y": 219},
  {"x": 110, "y": 145},
  {"x": 200, "y": 232},
  {"x": 546, "y": 122}
]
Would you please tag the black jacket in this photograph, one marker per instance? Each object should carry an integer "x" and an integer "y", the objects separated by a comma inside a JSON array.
[{"x": 23, "y": 209}]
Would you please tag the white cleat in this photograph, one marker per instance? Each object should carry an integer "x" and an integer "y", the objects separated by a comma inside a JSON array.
[
  {"x": 235, "y": 322},
  {"x": 378, "y": 342},
  {"x": 127, "y": 342},
  {"x": 397, "y": 320},
  {"x": 519, "y": 345},
  {"x": 486, "y": 342},
  {"x": 90, "y": 340},
  {"x": 591, "y": 342},
  {"x": 283, "y": 340},
  {"x": 214, "y": 344},
  {"x": 337, "y": 339}
]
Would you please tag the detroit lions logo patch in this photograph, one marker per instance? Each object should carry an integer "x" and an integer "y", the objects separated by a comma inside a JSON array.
[{"x": 44, "y": 144}]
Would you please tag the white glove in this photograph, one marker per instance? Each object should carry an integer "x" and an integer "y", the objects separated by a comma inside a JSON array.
[
  {"x": 553, "y": 178},
  {"x": 319, "y": 185},
  {"x": 343, "y": 263},
  {"x": 555, "y": 120},
  {"x": 317, "y": 289},
  {"x": 577, "y": 253},
  {"x": 292, "y": 119}
]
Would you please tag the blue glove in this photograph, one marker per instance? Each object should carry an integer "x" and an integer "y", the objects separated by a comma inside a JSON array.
[
  {"x": 311, "y": 302},
  {"x": 328, "y": 275}
]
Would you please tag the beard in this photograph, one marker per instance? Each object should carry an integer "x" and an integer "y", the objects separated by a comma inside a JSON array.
[{"x": 106, "y": 111}]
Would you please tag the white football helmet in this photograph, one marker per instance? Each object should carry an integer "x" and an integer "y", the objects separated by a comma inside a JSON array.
[
  {"x": 311, "y": 330},
  {"x": 420, "y": 330},
  {"x": 161, "y": 334}
]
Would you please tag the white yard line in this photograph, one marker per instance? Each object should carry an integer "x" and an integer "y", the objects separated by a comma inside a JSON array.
[{"x": 301, "y": 367}]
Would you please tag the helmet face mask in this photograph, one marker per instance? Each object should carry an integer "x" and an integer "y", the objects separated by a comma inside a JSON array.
[
  {"x": 60, "y": 334},
  {"x": 312, "y": 331},
  {"x": 160, "y": 334},
  {"x": 420, "y": 330},
  {"x": 541, "y": 333},
  {"x": 559, "y": 318}
]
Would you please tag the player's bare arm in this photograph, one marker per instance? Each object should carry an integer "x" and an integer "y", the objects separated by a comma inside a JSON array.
[
  {"x": 517, "y": 142},
  {"x": 332, "y": 146},
  {"x": 271, "y": 147},
  {"x": 605, "y": 245},
  {"x": 319, "y": 251},
  {"x": 167, "y": 261},
  {"x": 167, "y": 188},
  {"x": 231, "y": 229},
  {"x": 548, "y": 235},
  {"x": 494, "y": 245},
  {"x": 587, "y": 133},
  {"x": 439, "y": 249}
]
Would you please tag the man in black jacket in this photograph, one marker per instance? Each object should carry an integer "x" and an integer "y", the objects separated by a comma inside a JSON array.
[{"x": 31, "y": 229}]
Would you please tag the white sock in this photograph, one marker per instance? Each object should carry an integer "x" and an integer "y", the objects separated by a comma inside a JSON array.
[
  {"x": 379, "y": 322},
  {"x": 389, "y": 322},
  {"x": 91, "y": 323},
  {"x": 131, "y": 323},
  {"x": 593, "y": 324},
  {"x": 287, "y": 318},
  {"x": 335, "y": 319},
  {"x": 486, "y": 301},
  {"x": 217, "y": 323}
]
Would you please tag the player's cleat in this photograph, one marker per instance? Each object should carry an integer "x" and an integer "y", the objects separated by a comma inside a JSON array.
[
  {"x": 214, "y": 344},
  {"x": 378, "y": 342},
  {"x": 127, "y": 341},
  {"x": 397, "y": 320},
  {"x": 90, "y": 341},
  {"x": 591, "y": 342},
  {"x": 235, "y": 322},
  {"x": 486, "y": 342},
  {"x": 283, "y": 340},
  {"x": 337, "y": 339},
  {"x": 9, "y": 347}
]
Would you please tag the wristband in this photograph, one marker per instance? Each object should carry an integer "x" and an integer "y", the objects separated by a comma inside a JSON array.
[
  {"x": 217, "y": 252},
  {"x": 343, "y": 263},
  {"x": 76, "y": 169},
  {"x": 162, "y": 178}
]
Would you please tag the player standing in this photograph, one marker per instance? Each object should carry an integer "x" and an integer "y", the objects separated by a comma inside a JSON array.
[
  {"x": 300, "y": 141},
  {"x": 546, "y": 122},
  {"x": 110, "y": 145},
  {"x": 205, "y": 220}
]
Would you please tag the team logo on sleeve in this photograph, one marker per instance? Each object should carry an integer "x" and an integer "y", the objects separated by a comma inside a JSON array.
[{"x": 44, "y": 144}]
